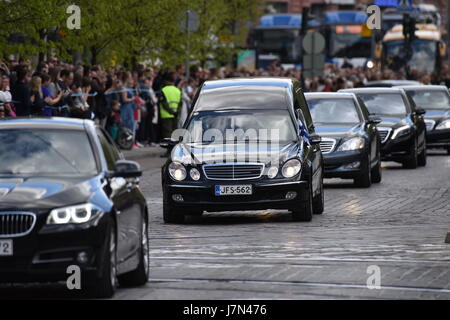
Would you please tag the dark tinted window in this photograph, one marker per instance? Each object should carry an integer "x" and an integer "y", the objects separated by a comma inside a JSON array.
[
  {"x": 254, "y": 97},
  {"x": 432, "y": 99},
  {"x": 384, "y": 103},
  {"x": 218, "y": 126},
  {"x": 333, "y": 111},
  {"x": 111, "y": 154},
  {"x": 46, "y": 152}
]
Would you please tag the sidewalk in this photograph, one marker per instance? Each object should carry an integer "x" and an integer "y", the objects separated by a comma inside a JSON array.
[{"x": 146, "y": 152}]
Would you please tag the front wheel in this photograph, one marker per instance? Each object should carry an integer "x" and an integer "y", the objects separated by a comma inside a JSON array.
[
  {"x": 364, "y": 180},
  {"x": 139, "y": 276},
  {"x": 376, "y": 173},
  {"x": 305, "y": 212},
  {"x": 319, "y": 201},
  {"x": 105, "y": 285},
  {"x": 171, "y": 216},
  {"x": 422, "y": 158},
  {"x": 412, "y": 161}
]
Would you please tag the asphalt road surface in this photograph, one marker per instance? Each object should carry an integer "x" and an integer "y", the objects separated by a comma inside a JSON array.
[{"x": 397, "y": 227}]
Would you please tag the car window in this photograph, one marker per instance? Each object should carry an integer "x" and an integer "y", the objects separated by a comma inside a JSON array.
[
  {"x": 432, "y": 99},
  {"x": 363, "y": 108},
  {"x": 334, "y": 111},
  {"x": 384, "y": 103},
  {"x": 54, "y": 152},
  {"x": 109, "y": 150}
]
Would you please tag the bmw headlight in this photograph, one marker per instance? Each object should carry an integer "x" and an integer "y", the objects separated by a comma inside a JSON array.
[
  {"x": 443, "y": 125},
  {"x": 291, "y": 168},
  {"x": 402, "y": 131},
  {"x": 74, "y": 214},
  {"x": 177, "y": 171},
  {"x": 352, "y": 144}
]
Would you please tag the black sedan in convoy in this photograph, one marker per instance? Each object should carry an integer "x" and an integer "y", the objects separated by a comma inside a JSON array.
[
  {"x": 435, "y": 100},
  {"x": 350, "y": 143},
  {"x": 248, "y": 144},
  {"x": 402, "y": 130},
  {"x": 69, "y": 199}
]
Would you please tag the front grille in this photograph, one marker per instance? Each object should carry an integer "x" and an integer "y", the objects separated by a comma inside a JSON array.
[
  {"x": 384, "y": 133},
  {"x": 16, "y": 224},
  {"x": 327, "y": 145},
  {"x": 235, "y": 171},
  {"x": 430, "y": 124}
]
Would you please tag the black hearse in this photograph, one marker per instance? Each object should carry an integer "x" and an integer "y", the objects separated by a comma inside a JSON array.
[
  {"x": 350, "y": 143},
  {"x": 402, "y": 129},
  {"x": 248, "y": 144}
]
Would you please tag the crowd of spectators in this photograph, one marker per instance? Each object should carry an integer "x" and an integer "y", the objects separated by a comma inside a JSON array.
[{"x": 117, "y": 97}]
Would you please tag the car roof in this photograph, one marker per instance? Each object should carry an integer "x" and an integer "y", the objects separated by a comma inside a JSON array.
[
  {"x": 330, "y": 95},
  {"x": 46, "y": 123},
  {"x": 373, "y": 90},
  {"x": 236, "y": 82},
  {"x": 384, "y": 83},
  {"x": 423, "y": 87}
]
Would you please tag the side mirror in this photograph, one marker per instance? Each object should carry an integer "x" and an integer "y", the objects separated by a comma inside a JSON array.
[
  {"x": 315, "y": 139},
  {"x": 420, "y": 111},
  {"x": 168, "y": 143},
  {"x": 127, "y": 169},
  {"x": 374, "y": 120}
]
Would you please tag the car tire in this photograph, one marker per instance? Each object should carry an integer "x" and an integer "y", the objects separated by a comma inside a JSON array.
[
  {"x": 412, "y": 161},
  {"x": 364, "y": 180},
  {"x": 105, "y": 285},
  {"x": 376, "y": 173},
  {"x": 139, "y": 276},
  {"x": 422, "y": 158},
  {"x": 319, "y": 201},
  {"x": 306, "y": 209},
  {"x": 171, "y": 216}
]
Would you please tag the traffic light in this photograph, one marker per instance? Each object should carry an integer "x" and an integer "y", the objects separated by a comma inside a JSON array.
[{"x": 305, "y": 20}]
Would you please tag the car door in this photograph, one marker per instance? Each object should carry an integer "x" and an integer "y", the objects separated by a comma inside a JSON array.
[
  {"x": 419, "y": 123},
  {"x": 120, "y": 196},
  {"x": 371, "y": 131},
  {"x": 316, "y": 160}
]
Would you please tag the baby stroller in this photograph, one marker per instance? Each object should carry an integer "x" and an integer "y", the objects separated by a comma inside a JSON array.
[{"x": 120, "y": 134}]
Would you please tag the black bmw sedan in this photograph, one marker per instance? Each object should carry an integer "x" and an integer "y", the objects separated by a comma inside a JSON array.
[
  {"x": 402, "y": 130},
  {"x": 435, "y": 100},
  {"x": 350, "y": 143},
  {"x": 248, "y": 144},
  {"x": 69, "y": 201}
]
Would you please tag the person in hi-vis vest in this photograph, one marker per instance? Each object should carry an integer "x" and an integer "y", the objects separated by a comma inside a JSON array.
[{"x": 169, "y": 105}]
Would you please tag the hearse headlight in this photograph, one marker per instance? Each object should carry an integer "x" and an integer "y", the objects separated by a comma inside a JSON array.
[
  {"x": 195, "y": 174},
  {"x": 352, "y": 144},
  {"x": 291, "y": 168},
  {"x": 177, "y": 171},
  {"x": 272, "y": 172},
  {"x": 402, "y": 131},
  {"x": 74, "y": 214},
  {"x": 443, "y": 125}
]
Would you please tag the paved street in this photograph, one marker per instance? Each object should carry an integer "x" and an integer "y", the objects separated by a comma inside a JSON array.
[{"x": 399, "y": 226}]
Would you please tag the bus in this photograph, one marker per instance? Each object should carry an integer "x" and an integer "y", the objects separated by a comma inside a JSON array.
[
  {"x": 346, "y": 36},
  {"x": 427, "y": 49}
]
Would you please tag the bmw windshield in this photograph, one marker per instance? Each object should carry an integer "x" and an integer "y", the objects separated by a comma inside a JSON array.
[{"x": 34, "y": 152}]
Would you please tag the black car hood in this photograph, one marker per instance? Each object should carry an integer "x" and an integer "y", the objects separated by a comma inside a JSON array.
[
  {"x": 392, "y": 121},
  {"x": 200, "y": 153},
  {"x": 337, "y": 130},
  {"x": 44, "y": 192}
]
